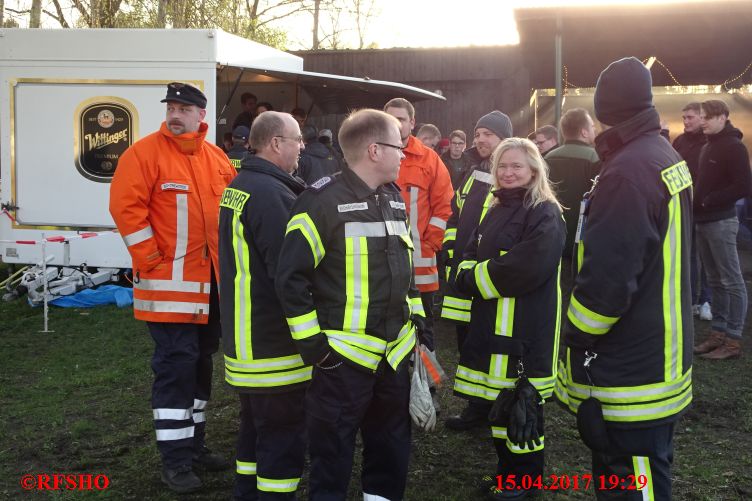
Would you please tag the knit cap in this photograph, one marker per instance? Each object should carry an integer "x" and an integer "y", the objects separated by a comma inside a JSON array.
[
  {"x": 498, "y": 123},
  {"x": 624, "y": 89}
]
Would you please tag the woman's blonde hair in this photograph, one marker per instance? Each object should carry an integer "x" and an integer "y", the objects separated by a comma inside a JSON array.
[{"x": 540, "y": 189}]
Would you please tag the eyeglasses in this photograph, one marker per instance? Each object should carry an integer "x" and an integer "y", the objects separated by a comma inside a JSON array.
[
  {"x": 298, "y": 139},
  {"x": 390, "y": 145},
  {"x": 453, "y": 143}
]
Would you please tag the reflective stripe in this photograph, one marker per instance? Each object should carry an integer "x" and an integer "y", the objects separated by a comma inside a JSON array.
[
  {"x": 175, "y": 414},
  {"x": 588, "y": 321},
  {"x": 245, "y": 468},
  {"x": 626, "y": 394},
  {"x": 264, "y": 364},
  {"x": 419, "y": 259},
  {"x": 426, "y": 279},
  {"x": 451, "y": 314},
  {"x": 356, "y": 284},
  {"x": 398, "y": 228},
  {"x": 458, "y": 303},
  {"x": 466, "y": 265},
  {"x": 483, "y": 177},
  {"x": 524, "y": 450},
  {"x": 484, "y": 385},
  {"x": 241, "y": 288},
  {"x": 484, "y": 282},
  {"x": 438, "y": 222},
  {"x": 181, "y": 236},
  {"x": 641, "y": 465},
  {"x": 373, "y": 497},
  {"x": 672, "y": 318},
  {"x": 151, "y": 284},
  {"x": 375, "y": 229},
  {"x": 138, "y": 236},
  {"x": 398, "y": 349},
  {"x": 304, "y": 326},
  {"x": 416, "y": 306},
  {"x": 199, "y": 417},
  {"x": 269, "y": 379},
  {"x": 360, "y": 356},
  {"x": 305, "y": 224},
  {"x": 178, "y": 434},
  {"x": 171, "y": 307},
  {"x": 450, "y": 234},
  {"x": 364, "y": 341},
  {"x": 199, "y": 404},
  {"x": 499, "y": 432},
  {"x": 505, "y": 316},
  {"x": 425, "y": 261},
  {"x": 274, "y": 485}
]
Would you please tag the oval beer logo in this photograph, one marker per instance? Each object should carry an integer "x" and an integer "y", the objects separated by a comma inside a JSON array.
[{"x": 105, "y": 129}]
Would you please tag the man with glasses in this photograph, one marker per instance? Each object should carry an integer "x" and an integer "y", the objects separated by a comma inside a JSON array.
[
  {"x": 261, "y": 361},
  {"x": 546, "y": 138},
  {"x": 427, "y": 190},
  {"x": 457, "y": 162},
  {"x": 723, "y": 178},
  {"x": 344, "y": 281},
  {"x": 164, "y": 199}
]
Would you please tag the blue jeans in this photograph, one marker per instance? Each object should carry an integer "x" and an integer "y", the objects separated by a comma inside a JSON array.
[
  {"x": 700, "y": 289},
  {"x": 716, "y": 243}
]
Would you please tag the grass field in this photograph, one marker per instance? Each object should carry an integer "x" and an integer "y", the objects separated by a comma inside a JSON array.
[{"x": 77, "y": 401}]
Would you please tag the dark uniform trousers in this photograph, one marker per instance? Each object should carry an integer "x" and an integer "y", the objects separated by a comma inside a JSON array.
[
  {"x": 427, "y": 335},
  {"x": 338, "y": 403},
  {"x": 642, "y": 451},
  {"x": 182, "y": 366},
  {"x": 271, "y": 445}
]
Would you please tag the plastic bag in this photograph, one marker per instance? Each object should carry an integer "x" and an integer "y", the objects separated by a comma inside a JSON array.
[
  {"x": 434, "y": 371},
  {"x": 422, "y": 410}
]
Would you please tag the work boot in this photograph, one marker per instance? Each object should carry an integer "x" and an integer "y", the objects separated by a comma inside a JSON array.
[
  {"x": 208, "y": 460},
  {"x": 711, "y": 343},
  {"x": 514, "y": 494},
  {"x": 181, "y": 479},
  {"x": 472, "y": 416},
  {"x": 731, "y": 348}
]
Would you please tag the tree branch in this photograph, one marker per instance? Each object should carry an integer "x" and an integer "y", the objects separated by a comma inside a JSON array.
[{"x": 60, "y": 18}]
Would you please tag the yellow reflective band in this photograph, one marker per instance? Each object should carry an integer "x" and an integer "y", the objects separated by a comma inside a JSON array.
[
  {"x": 466, "y": 265},
  {"x": 588, "y": 321},
  {"x": 490, "y": 383},
  {"x": 361, "y": 357},
  {"x": 304, "y": 326},
  {"x": 632, "y": 394},
  {"x": 504, "y": 316},
  {"x": 235, "y": 162},
  {"x": 524, "y": 450},
  {"x": 641, "y": 465},
  {"x": 356, "y": 284},
  {"x": 677, "y": 177},
  {"x": 450, "y": 234},
  {"x": 242, "y": 289},
  {"x": 363, "y": 341},
  {"x": 483, "y": 281},
  {"x": 264, "y": 364},
  {"x": 580, "y": 255},
  {"x": 234, "y": 199},
  {"x": 244, "y": 468},
  {"x": 269, "y": 379},
  {"x": 557, "y": 331},
  {"x": 672, "y": 315},
  {"x": 277, "y": 485},
  {"x": 486, "y": 205},
  {"x": 416, "y": 306},
  {"x": 452, "y": 314},
  {"x": 304, "y": 224},
  {"x": 397, "y": 350},
  {"x": 458, "y": 303},
  {"x": 499, "y": 432}
]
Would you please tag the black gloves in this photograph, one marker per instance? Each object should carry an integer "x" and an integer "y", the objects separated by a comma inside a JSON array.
[
  {"x": 420, "y": 327},
  {"x": 524, "y": 415},
  {"x": 501, "y": 408}
]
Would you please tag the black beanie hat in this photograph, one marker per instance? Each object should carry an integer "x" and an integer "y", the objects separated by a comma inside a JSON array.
[
  {"x": 498, "y": 123},
  {"x": 624, "y": 89}
]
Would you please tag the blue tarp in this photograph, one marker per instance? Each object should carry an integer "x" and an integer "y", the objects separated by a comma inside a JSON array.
[{"x": 88, "y": 298}]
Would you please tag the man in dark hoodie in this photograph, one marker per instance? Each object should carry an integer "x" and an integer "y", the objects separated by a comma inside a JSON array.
[
  {"x": 723, "y": 178},
  {"x": 627, "y": 370},
  {"x": 316, "y": 161}
]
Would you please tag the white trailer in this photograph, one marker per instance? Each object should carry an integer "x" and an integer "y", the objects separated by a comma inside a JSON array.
[{"x": 71, "y": 101}]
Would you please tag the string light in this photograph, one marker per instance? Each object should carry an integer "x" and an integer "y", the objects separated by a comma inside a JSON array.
[{"x": 737, "y": 77}]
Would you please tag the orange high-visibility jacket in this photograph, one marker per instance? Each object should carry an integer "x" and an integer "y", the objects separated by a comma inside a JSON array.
[
  {"x": 164, "y": 199},
  {"x": 427, "y": 190}
]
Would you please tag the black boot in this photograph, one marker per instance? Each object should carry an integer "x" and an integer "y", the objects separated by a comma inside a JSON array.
[
  {"x": 208, "y": 460},
  {"x": 181, "y": 479},
  {"x": 474, "y": 415}
]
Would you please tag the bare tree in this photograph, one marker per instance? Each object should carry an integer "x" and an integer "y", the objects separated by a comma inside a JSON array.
[
  {"x": 363, "y": 11},
  {"x": 2, "y": 11},
  {"x": 161, "y": 14},
  {"x": 35, "y": 16},
  {"x": 316, "y": 13}
]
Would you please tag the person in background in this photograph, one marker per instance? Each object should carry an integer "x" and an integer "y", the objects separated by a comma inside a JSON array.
[
  {"x": 457, "y": 162},
  {"x": 164, "y": 199},
  {"x": 239, "y": 145},
  {"x": 248, "y": 102},
  {"x": 316, "y": 160},
  {"x": 429, "y": 134},
  {"x": 263, "y": 106},
  {"x": 300, "y": 116},
  {"x": 546, "y": 138},
  {"x": 443, "y": 146}
]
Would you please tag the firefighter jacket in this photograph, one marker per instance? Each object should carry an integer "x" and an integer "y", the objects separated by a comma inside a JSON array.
[
  {"x": 344, "y": 274},
  {"x": 260, "y": 355},
  {"x": 511, "y": 270},
  {"x": 631, "y": 299},
  {"x": 427, "y": 189},
  {"x": 164, "y": 199},
  {"x": 469, "y": 206},
  {"x": 236, "y": 154}
]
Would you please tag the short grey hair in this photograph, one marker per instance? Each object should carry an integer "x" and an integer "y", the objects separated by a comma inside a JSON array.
[{"x": 264, "y": 128}]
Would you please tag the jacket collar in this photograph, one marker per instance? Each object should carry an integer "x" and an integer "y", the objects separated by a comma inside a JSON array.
[
  {"x": 576, "y": 141},
  {"x": 614, "y": 139},
  {"x": 360, "y": 188},
  {"x": 414, "y": 147},
  {"x": 255, "y": 163},
  {"x": 189, "y": 143}
]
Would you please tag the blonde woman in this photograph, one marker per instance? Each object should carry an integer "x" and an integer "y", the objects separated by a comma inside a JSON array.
[{"x": 511, "y": 269}]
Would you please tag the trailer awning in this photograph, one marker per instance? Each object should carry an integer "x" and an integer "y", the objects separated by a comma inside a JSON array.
[{"x": 334, "y": 93}]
